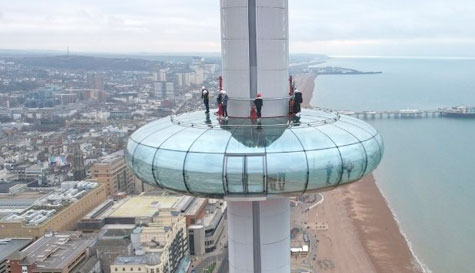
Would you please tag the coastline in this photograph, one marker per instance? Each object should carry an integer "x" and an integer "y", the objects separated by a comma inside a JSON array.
[
  {"x": 363, "y": 234},
  {"x": 306, "y": 84}
]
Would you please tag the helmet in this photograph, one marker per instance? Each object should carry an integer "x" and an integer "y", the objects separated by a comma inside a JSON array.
[
  {"x": 296, "y": 91},
  {"x": 259, "y": 95},
  {"x": 224, "y": 92},
  {"x": 203, "y": 87}
]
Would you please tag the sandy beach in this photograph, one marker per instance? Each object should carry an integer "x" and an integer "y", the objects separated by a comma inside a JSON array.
[
  {"x": 306, "y": 84},
  {"x": 355, "y": 228}
]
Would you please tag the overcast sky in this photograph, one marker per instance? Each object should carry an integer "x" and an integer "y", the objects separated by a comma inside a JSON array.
[{"x": 338, "y": 27}]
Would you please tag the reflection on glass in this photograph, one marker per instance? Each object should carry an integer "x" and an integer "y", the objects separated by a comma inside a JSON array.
[
  {"x": 142, "y": 162},
  {"x": 324, "y": 168},
  {"x": 354, "y": 162},
  {"x": 129, "y": 152},
  {"x": 374, "y": 154},
  {"x": 235, "y": 174},
  {"x": 168, "y": 168},
  {"x": 255, "y": 174},
  {"x": 286, "y": 172},
  {"x": 204, "y": 173}
]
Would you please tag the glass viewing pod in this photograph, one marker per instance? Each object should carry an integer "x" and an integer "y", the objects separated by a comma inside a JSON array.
[{"x": 197, "y": 154}]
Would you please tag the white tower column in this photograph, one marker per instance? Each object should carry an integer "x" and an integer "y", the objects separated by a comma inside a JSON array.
[
  {"x": 255, "y": 53},
  {"x": 259, "y": 236}
]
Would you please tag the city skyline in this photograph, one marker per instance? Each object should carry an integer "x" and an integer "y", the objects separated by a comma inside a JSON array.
[{"x": 425, "y": 28}]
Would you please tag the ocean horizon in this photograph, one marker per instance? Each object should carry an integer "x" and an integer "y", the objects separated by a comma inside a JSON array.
[{"x": 425, "y": 175}]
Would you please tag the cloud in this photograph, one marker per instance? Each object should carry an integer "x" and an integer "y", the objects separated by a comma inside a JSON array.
[{"x": 334, "y": 27}]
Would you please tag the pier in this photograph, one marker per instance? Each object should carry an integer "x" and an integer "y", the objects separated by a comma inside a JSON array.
[{"x": 392, "y": 114}]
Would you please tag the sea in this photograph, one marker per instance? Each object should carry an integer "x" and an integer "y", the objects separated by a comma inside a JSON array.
[{"x": 427, "y": 174}]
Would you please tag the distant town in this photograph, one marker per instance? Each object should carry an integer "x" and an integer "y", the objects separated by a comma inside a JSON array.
[{"x": 68, "y": 202}]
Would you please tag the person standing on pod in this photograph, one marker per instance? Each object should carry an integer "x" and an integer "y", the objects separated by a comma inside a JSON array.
[
  {"x": 224, "y": 103},
  {"x": 259, "y": 102},
  {"x": 219, "y": 100},
  {"x": 298, "y": 99},
  {"x": 205, "y": 98}
]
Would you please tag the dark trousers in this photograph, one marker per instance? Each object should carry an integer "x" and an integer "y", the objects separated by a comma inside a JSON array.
[
  {"x": 225, "y": 110},
  {"x": 206, "y": 105},
  {"x": 259, "y": 113}
]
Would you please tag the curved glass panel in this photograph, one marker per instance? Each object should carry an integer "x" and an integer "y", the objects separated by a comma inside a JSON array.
[
  {"x": 213, "y": 141},
  {"x": 365, "y": 126},
  {"x": 235, "y": 174},
  {"x": 129, "y": 152},
  {"x": 255, "y": 174},
  {"x": 142, "y": 163},
  {"x": 354, "y": 130},
  {"x": 286, "y": 172},
  {"x": 183, "y": 140},
  {"x": 146, "y": 130},
  {"x": 339, "y": 136},
  {"x": 287, "y": 142},
  {"x": 380, "y": 141},
  {"x": 374, "y": 154},
  {"x": 158, "y": 137},
  {"x": 168, "y": 169},
  {"x": 324, "y": 168},
  {"x": 204, "y": 173},
  {"x": 312, "y": 139},
  {"x": 354, "y": 162},
  {"x": 253, "y": 145}
]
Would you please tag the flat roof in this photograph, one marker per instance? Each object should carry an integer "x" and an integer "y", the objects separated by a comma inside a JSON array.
[
  {"x": 195, "y": 206},
  {"x": 130, "y": 260},
  {"x": 30, "y": 195},
  {"x": 145, "y": 206},
  {"x": 111, "y": 158},
  {"x": 57, "y": 251},
  {"x": 24, "y": 206},
  {"x": 8, "y": 246}
]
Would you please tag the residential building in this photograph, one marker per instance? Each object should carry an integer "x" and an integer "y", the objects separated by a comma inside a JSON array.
[{"x": 112, "y": 172}]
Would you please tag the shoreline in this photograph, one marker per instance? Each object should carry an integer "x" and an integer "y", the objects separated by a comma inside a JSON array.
[
  {"x": 422, "y": 266},
  {"x": 378, "y": 228},
  {"x": 363, "y": 212},
  {"x": 306, "y": 84}
]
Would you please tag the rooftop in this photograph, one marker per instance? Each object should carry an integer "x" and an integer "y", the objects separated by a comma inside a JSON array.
[
  {"x": 111, "y": 158},
  {"x": 57, "y": 251},
  {"x": 123, "y": 260},
  {"x": 44, "y": 206},
  {"x": 145, "y": 206},
  {"x": 8, "y": 246}
]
